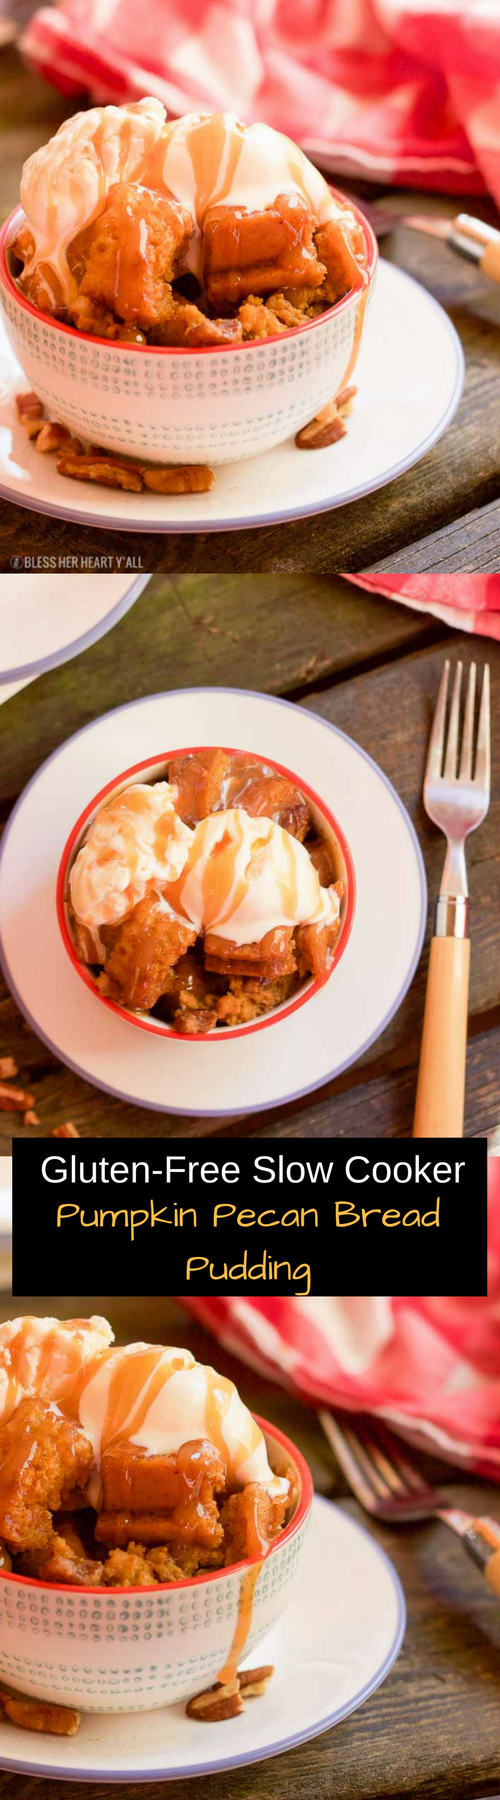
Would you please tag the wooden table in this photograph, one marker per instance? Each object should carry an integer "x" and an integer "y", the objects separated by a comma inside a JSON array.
[
  {"x": 372, "y": 667},
  {"x": 444, "y": 514},
  {"x": 431, "y": 1732}
]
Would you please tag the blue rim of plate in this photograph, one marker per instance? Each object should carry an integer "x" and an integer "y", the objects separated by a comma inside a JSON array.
[
  {"x": 285, "y": 513},
  {"x": 281, "y": 1744},
  {"x": 29, "y": 670},
  {"x": 184, "y": 1112}
]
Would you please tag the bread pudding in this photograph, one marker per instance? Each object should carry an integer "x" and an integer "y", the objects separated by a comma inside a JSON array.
[
  {"x": 208, "y": 898},
  {"x": 125, "y": 1467},
  {"x": 190, "y": 233}
]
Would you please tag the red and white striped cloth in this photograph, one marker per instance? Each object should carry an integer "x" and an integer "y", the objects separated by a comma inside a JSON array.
[
  {"x": 429, "y": 1366},
  {"x": 469, "y": 602},
  {"x": 394, "y": 90}
]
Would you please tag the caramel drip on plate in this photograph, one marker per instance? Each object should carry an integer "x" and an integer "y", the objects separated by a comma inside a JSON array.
[
  {"x": 243, "y": 1623},
  {"x": 356, "y": 341}
]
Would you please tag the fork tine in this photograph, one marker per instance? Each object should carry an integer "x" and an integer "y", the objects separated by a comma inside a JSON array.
[
  {"x": 387, "y": 1469},
  {"x": 465, "y": 771},
  {"x": 350, "y": 1464},
  {"x": 369, "y": 1460},
  {"x": 436, "y": 740},
  {"x": 410, "y": 1475},
  {"x": 450, "y": 763},
  {"x": 482, "y": 766}
]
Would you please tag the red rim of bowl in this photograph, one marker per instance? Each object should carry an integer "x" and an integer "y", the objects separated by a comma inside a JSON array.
[
  {"x": 158, "y": 1587},
  {"x": 222, "y": 1035},
  {"x": 174, "y": 350}
]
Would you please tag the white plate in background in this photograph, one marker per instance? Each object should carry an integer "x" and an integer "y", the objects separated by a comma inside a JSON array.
[{"x": 47, "y": 619}]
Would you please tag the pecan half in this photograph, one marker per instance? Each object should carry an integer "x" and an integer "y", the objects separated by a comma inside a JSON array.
[
  {"x": 30, "y": 411},
  {"x": 15, "y": 1099},
  {"x": 194, "y": 478},
  {"x": 328, "y": 424},
  {"x": 54, "y": 436},
  {"x": 30, "y": 1117},
  {"x": 8, "y": 1068},
  {"x": 113, "y": 472},
  {"x": 345, "y": 399},
  {"x": 316, "y": 436},
  {"x": 66, "y": 1130},
  {"x": 222, "y": 1701},
  {"x": 39, "y": 1715},
  {"x": 255, "y": 1681},
  {"x": 106, "y": 470}
]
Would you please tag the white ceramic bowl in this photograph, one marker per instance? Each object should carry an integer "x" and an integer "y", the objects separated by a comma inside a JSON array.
[
  {"x": 191, "y": 406},
  {"x": 134, "y": 1649},
  {"x": 157, "y": 771}
]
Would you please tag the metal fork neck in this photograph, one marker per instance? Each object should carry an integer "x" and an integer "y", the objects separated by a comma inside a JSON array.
[{"x": 452, "y": 916}]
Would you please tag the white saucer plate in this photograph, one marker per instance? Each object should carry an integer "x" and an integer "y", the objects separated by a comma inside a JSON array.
[
  {"x": 214, "y": 1076},
  {"x": 409, "y": 374},
  {"x": 335, "y": 1644},
  {"x": 47, "y": 619}
]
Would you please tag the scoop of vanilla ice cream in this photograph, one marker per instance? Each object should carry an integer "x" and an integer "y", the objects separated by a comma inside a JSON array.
[
  {"x": 44, "y": 1357},
  {"x": 65, "y": 184},
  {"x": 245, "y": 876},
  {"x": 135, "y": 844},
  {"x": 148, "y": 1395},
  {"x": 202, "y": 160},
  {"x": 158, "y": 1399},
  {"x": 214, "y": 159}
]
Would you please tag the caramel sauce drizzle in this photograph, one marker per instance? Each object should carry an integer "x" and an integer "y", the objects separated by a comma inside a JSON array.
[
  {"x": 137, "y": 1376},
  {"x": 224, "y": 886},
  {"x": 210, "y": 150},
  {"x": 243, "y": 1623},
  {"x": 259, "y": 1546}
]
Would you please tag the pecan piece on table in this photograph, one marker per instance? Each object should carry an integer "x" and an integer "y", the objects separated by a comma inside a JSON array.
[
  {"x": 66, "y": 1130},
  {"x": 15, "y": 1099},
  {"x": 222, "y": 1701},
  {"x": 8, "y": 1068}
]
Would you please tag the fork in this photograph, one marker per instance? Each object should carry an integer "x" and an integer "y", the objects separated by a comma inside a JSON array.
[
  {"x": 388, "y": 1486},
  {"x": 457, "y": 803}
]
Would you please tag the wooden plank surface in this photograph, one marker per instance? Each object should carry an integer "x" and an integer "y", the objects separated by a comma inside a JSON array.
[
  {"x": 470, "y": 545},
  {"x": 431, "y": 1731},
  {"x": 277, "y": 635},
  {"x": 461, "y": 472},
  {"x": 383, "y": 698}
]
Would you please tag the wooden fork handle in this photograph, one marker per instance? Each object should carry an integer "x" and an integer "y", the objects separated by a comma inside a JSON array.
[
  {"x": 439, "y": 1109},
  {"x": 490, "y": 262},
  {"x": 482, "y": 1540}
]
